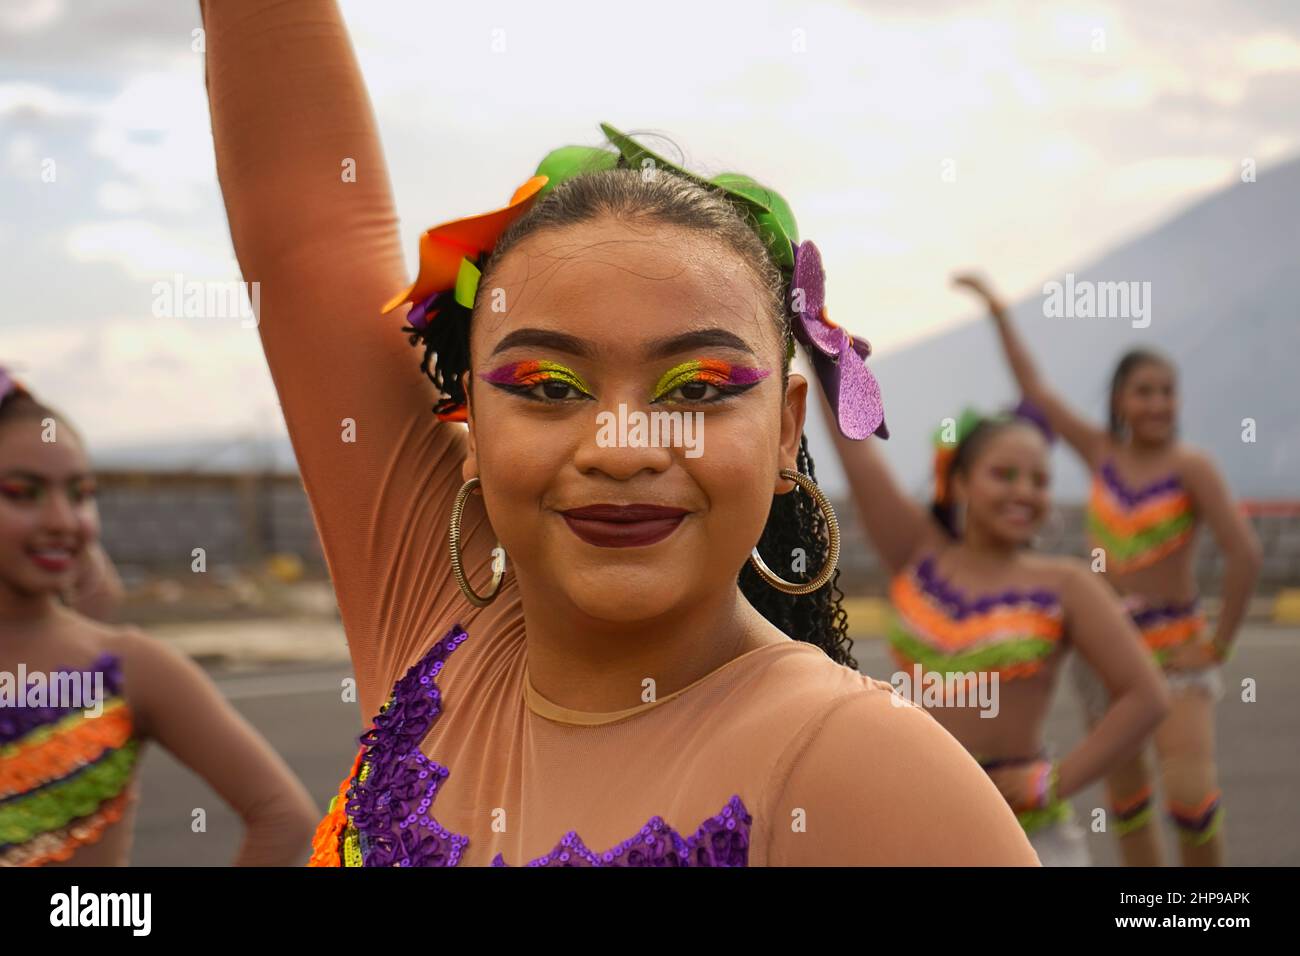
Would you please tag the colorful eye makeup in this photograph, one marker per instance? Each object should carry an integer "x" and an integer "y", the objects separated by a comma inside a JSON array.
[
  {"x": 523, "y": 377},
  {"x": 724, "y": 376}
]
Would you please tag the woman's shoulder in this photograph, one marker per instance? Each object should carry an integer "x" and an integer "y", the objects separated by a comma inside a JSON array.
[
  {"x": 872, "y": 778},
  {"x": 799, "y": 683}
]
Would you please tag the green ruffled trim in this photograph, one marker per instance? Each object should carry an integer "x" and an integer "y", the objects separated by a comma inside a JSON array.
[
  {"x": 1031, "y": 821},
  {"x": 1134, "y": 823},
  {"x": 1014, "y": 650},
  {"x": 60, "y": 803},
  {"x": 1126, "y": 547},
  {"x": 1200, "y": 837}
]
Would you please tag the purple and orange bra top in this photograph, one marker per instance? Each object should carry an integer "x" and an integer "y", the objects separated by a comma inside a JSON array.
[
  {"x": 382, "y": 814},
  {"x": 941, "y": 629},
  {"x": 1137, "y": 528},
  {"x": 65, "y": 770}
]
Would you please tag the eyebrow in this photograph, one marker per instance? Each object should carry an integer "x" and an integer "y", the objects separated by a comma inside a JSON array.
[
  {"x": 659, "y": 348},
  {"x": 41, "y": 479}
]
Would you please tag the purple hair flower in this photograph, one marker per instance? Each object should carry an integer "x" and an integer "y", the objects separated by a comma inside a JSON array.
[{"x": 838, "y": 358}]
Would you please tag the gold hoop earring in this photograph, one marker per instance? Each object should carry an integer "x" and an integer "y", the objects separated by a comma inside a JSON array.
[
  {"x": 833, "y": 530},
  {"x": 453, "y": 545}
]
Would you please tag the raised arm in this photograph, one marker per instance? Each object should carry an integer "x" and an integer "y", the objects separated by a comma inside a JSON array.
[
  {"x": 1084, "y": 437},
  {"x": 1242, "y": 555},
  {"x": 312, "y": 219},
  {"x": 897, "y": 525}
]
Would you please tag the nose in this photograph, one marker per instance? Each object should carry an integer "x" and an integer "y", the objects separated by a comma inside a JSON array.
[
  {"x": 624, "y": 439},
  {"x": 59, "y": 514}
]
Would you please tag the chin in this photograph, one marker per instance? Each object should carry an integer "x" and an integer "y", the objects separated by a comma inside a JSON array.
[
  {"x": 1018, "y": 537},
  {"x": 1155, "y": 434},
  {"x": 615, "y": 594}
]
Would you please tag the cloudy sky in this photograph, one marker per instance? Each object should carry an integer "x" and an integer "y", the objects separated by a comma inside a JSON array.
[{"x": 1022, "y": 139}]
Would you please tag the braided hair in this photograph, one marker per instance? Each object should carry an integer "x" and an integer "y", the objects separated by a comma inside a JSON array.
[{"x": 666, "y": 198}]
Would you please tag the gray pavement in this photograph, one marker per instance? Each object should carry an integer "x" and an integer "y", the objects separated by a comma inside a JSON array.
[{"x": 300, "y": 711}]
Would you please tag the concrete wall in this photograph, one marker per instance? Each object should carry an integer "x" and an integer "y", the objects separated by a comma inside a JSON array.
[{"x": 153, "y": 521}]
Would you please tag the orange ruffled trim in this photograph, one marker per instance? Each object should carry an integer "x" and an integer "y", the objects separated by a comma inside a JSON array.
[
  {"x": 57, "y": 846},
  {"x": 1123, "y": 522},
  {"x": 325, "y": 843},
  {"x": 957, "y": 635},
  {"x": 1173, "y": 633},
  {"x": 66, "y": 746},
  {"x": 1133, "y": 802}
]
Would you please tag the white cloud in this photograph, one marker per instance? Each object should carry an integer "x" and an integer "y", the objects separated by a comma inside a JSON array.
[
  {"x": 155, "y": 135},
  {"x": 1269, "y": 53},
  {"x": 148, "y": 251},
  {"x": 29, "y": 16}
]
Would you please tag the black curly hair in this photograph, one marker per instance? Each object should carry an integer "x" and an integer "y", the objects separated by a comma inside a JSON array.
[{"x": 669, "y": 199}]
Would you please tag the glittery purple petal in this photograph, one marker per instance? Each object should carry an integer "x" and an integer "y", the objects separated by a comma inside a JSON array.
[{"x": 853, "y": 392}]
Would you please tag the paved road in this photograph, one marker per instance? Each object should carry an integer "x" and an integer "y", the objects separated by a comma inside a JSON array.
[{"x": 301, "y": 712}]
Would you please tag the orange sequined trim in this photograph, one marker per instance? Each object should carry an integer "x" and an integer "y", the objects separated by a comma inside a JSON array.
[
  {"x": 953, "y": 634},
  {"x": 1173, "y": 633},
  {"x": 52, "y": 753},
  {"x": 1135, "y": 801},
  {"x": 325, "y": 843},
  {"x": 1122, "y": 522}
]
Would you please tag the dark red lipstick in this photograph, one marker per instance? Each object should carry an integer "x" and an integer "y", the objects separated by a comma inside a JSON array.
[{"x": 623, "y": 526}]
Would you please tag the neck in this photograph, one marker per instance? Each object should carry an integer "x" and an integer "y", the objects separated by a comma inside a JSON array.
[
  {"x": 977, "y": 541},
  {"x": 21, "y": 611},
  {"x": 588, "y": 664}
]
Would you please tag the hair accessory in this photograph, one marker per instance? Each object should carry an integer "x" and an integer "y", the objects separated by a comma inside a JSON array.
[
  {"x": 838, "y": 358},
  {"x": 10, "y": 385},
  {"x": 945, "y": 448},
  {"x": 452, "y": 255}
]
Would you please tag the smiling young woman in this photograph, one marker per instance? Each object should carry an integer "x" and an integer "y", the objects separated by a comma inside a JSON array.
[
  {"x": 591, "y": 674},
  {"x": 1150, "y": 495},
  {"x": 69, "y": 761}
]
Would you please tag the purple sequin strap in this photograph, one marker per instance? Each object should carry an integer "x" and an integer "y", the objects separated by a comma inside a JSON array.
[
  {"x": 721, "y": 840},
  {"x": 959, "y": 607},
  {"x": 16, "y": 722},
  {"x": 390, "y": 808},
  {"x": 1131, "y": 498},
  {"x": 1147, "y": 616}
]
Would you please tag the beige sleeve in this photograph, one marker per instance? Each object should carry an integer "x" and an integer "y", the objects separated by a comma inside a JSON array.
[{"x": 289, "y": 109}]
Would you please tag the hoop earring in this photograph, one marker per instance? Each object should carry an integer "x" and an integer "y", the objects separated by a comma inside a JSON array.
[
  {"x": 453, "y": 546},
  {"x": 833, "y": 530}
]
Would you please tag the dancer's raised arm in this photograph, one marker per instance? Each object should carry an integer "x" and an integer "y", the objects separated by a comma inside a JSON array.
[
  {"x": 898, "y": 526},
  {"x": 1085, "y": 437},
  {"x": 312, "y": 219}
]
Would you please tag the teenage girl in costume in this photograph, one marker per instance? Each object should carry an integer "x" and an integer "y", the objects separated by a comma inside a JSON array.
[
  {"x": 1150, "y": 492},
  {"x": 68, "y": 790},
  {"x": 608, "y": 688},
  {"x": 970, "y": 598}
]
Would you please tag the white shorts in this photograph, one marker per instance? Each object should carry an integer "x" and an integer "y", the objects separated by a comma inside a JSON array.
[
  {"x": 1061, "y": 844},
  {"x": 1095, "y": 699}
]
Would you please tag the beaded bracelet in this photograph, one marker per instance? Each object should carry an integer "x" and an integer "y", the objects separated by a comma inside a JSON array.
[
  {"x": 1048, "y": 776},
  {"x": 1223, "y": 651}
]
